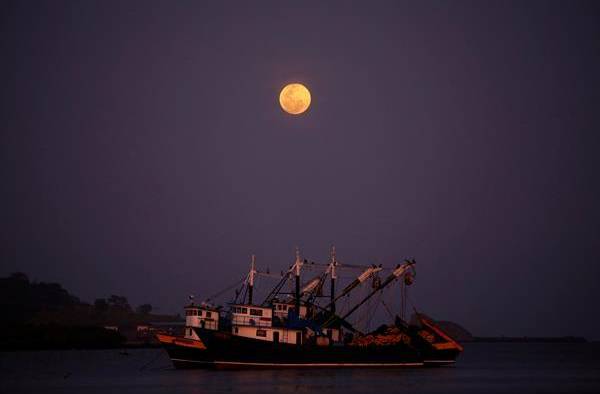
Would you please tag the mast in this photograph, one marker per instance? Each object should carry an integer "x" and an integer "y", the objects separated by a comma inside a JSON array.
[
  {"x": 251, "y": 275},
  {"x": 333, "y": 278},
  {"x": 296, "y": 267}
]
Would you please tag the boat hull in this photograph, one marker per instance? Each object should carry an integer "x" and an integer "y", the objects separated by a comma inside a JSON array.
[{"x": 225, "y": 351}]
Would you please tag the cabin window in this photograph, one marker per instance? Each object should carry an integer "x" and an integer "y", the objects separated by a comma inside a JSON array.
[
  {"x": 278, "y": 307},
  {"x": 256, "y": 312},
  {"x": 200, "y": 313},
  {"x": 261, "y": 333},
  {"x": 285, "y": 307},
  {"x": 208, "y": 314},
  {"x": 244, "y": 310}
]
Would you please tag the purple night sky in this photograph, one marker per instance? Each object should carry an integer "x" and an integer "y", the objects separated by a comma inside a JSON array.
[{"x": 143, "y": 150}]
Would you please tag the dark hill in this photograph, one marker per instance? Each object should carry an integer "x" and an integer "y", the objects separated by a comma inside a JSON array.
[{"x": 40, "y": 315}]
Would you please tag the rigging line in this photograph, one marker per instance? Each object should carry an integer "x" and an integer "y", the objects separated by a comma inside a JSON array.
[
  {"x": 268, "y": 275},
  {"x": 410, "y": 301},
  {"x": 374, "y": 310},
  {"x": 374, "y": 313},
  {"x": 228, "y": 288},
  {"x": 367, "y": 316},
  {"x": 275, "y": 291},
  {"x": 314, "y": 265},
  {"x": 345, "y": 301},
  {"x": 387, "y": 309},
  {"x": 364, "y": 316},
  {"x": 362, "y": 267},
  {"x": 239, "y": 291},
  {"x": 356, "y": 266},
  {"x": 245, "y": 292}
]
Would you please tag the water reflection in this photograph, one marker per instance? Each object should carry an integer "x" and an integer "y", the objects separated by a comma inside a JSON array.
[{"x": 482, "y": 368}]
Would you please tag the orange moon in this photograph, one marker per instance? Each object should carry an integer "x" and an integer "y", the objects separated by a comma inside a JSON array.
[{"x": 294, "y": 98}]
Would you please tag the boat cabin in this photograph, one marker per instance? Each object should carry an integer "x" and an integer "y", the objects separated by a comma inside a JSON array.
[
  {"x": 256, "y": 322},
  {"x": 200, "y": 316},
  {"x": 270, "y": 334},
  {"x": 281, "y": 309},
  {"x": 251, "y": 315}
]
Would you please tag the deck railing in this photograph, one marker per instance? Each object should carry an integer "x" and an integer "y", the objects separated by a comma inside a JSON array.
[{"x": 254, "y": 321}]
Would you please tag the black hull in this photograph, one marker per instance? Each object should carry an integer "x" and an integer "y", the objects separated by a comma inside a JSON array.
[{"x": 227, "y": 351}]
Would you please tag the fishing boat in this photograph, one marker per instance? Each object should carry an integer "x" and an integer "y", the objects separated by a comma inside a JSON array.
[{"x": 297, "y": 326}]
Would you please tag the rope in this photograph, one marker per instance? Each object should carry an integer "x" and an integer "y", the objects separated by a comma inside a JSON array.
[
  {"x": 229, "y": 288},
  {"x": 374, "y": 311},
  {"x": 364, "y": 317},
  {"x": 387, "y": 309}
]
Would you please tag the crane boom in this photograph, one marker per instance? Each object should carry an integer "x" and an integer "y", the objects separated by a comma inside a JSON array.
[
  {"x": 369, "y": 272},
  {"x": 398, "y": 272}
]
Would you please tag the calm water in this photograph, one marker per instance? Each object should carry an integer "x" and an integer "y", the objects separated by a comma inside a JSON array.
[{"x": 483, "y": 368}]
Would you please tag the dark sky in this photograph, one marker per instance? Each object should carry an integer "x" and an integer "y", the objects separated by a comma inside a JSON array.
[{"x": 144, "y": 153}]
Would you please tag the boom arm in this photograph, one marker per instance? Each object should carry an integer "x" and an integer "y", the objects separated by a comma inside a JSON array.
[
  {"x": 398, "y": 272},
  {"x": 369, "y": 272}
]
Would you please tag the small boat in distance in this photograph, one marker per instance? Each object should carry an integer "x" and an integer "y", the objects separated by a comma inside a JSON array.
[{"x": 302, "y": 328}]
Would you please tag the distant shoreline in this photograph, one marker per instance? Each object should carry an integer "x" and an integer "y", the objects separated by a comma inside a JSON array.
[
  {"x": 565, "y": 339},
  {"x": 45, "y": 316}
]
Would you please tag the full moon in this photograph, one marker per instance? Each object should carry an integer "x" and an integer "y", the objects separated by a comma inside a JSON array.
[{"x": 294, "y": 98}]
